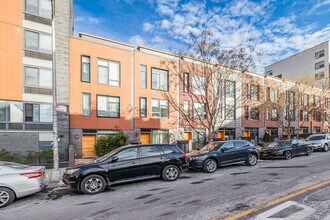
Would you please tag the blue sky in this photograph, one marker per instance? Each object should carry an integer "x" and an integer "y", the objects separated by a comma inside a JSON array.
[{"x": 276, "y": 28}]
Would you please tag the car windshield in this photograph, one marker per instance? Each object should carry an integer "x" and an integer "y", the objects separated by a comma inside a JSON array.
[
  {"x": 106, "y": 156},
  {"x": 13, "y": 165},
  {"x": 211, "y": 146},
  {"x": 278, "y": 144},
  {"x": 316, "y": 138}
]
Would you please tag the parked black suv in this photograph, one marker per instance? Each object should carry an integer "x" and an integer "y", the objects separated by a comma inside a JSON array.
[
  {"x": 218, "y": 153},
  {"x": 127, "y": 163}
]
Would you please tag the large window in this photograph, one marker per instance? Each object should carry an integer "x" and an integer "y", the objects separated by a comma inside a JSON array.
[
  {"x": 273, "y": 95},
  {"x": 128, "y": 154},
  {"x": 38, "y": 41},
  {"x": 86, "y": 104},
  {"x": 151, "y": 151},
  {"x": 85, "y": 69},
  {"x": 254, "y": 90},
  {"x": 303, "y": 115},
  {"x": 306, "y": 100},
  {"x": 319, "y": 54},
  {"x": 254, "y": 113},
  {"x": 327, "y": 102},
  {"x": 230, "y": 96},
  {"x": 108, "y": 106},
  {"x": 246, "y": 91},
  {"x": 160, "y": 136},
  {"x": 143, "y": 107},
  {"x": 198, "y": 84},
  {"x": 159, "y": 79},
  {"x": 319, "y": 65},
  {"x": 246, "y": 112},
  {"x": 143, "y": 76},
  {"x": 327, "y": 115},
  {"x": 199, "y": 110},
  {"x": 38, "y": 112},
  {"x": 186, "y": 108},
  {"x": 318, "y": 116},
  {"x": 41, "y": 8},
  {"x": 3, "y": 111},
  {"x": 159, "y": 108},
  {"x": 38, "y": 77},
  {"x": 274, "y": 116},
  {"x": 230, "y": 89},
  {"x": 108, "y": 72},
  {"x": 319, "y": 75},
  {"x": 186, "y": 82},
  {"x": 317, "y": 101}
]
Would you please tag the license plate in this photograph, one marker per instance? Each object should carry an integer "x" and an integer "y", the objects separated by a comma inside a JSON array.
[{"x": 264, "y": 155}]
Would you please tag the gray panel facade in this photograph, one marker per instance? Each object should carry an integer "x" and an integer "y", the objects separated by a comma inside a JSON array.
[{"x": 19, "y": 142}]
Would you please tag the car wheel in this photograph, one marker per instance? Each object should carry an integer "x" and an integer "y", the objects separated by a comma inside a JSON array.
[
  {"x": 309, "y": 151},
  {"x": 170, "y": 173},
  {"x": 287, "y": 155},
  {"x": 326, "y": 148},
  {"x": 93, "y": 184},
  {"x": 7, "y": 196},
  {"x": 252, "y": 160},
  {"x": 210, "y": 166}
]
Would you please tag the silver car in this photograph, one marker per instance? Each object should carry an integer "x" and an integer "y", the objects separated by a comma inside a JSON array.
[
  {"x": 320, "y": 141},
  {"x": 18, "y": 180}
]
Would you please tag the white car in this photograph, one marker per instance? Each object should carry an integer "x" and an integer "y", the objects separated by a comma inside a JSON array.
[
  {"x": 320, "y": 141},
  {"x": 18, "y": 180}
]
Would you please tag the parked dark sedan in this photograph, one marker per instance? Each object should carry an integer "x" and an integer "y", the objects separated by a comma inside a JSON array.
[
  {"x": 286, "y": 149},
  {"x": 125, "y": 164},
  {"x": 218, "y": 153}
]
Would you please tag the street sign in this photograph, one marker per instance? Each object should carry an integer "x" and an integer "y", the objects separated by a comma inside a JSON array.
[{"x": 61, "y": 108}]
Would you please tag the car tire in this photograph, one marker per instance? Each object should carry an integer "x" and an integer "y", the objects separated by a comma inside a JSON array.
[
  {"x": 171, "y": 173},
  {"x": 287, "y": 155},
  {"x": 309, "y": 151},
  {"x": 93, "y": 184},
  {"x": 7, "y": 196},
  {"x": 252, "y": 160},
  {"x": 326, "y": 148},
  {"x": 210, "y": 166}
]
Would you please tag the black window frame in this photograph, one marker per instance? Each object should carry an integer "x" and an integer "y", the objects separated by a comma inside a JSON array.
[
  {"x": 146, "y": 107},
  {"x": 89, "y": 68},
  {"x": 168, "y": 80},
  {"x": 97, "y": 104},
  {"x": 186, "y": 82}
]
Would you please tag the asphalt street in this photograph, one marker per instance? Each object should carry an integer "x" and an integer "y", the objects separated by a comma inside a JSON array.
[{"x": 230, "y": 191}]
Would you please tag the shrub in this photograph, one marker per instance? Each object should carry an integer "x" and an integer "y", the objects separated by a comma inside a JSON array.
[
  {"x": 7, "y": 156},
  {"x": 108, "y": 143}
]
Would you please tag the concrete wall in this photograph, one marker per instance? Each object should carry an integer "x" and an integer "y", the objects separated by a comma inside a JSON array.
[{"x": 19, "y": 142}]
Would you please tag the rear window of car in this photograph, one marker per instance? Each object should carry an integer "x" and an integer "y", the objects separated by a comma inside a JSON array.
[
  {"x": 317, "y": 138},
  {"x": 13, "y": 165},
  {"x": 170, "y": 149}
]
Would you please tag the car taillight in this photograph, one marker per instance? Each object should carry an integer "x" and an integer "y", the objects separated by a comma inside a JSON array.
[
  {"x": 184, "y": 155},
  {"x": 32, "y": 175}
]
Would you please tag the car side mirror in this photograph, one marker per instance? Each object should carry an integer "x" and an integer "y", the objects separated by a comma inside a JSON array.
[
  {"x": 223, "y": 149},
  {"x": 113, "y": 159}
]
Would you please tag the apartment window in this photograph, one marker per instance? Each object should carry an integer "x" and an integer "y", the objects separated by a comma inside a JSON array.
[
  {"x": 186, "y": 108},
  {"x": 38, "y": 113},
  {"x": 319, "y": 75},
  {"x": 273, "y": 95},
  {"x": 319, "y": 54},
  {"x": 199, "y": 110},
  {"x": 327, "y": 102},
  {"x": 41, "y": 8},
  {"x": 317, "y": 129},
  {"x": 267, "y": 113},
  {"x": 159, "y": 79},
  {"x": 306, "y": 100},
  {"x": 274, "y": 116},
  {"x": 254, "y": 115},
  {"x": 86, "y": 104},
  {"x": 318, "y": 101},
  {"x": 186, "y": 82},
  {"x": 3, "y": 111},
  {"x": 143, "y": 76},
  {"x": 160, "y": 136},
  {"x": 246, "y": 91},
  {"x": 319, "y": 65},
  {"x": 159, "y": 108},
  {"x": 108, "y": 72},
  {"x": 318, "y": 116},
  {"x": 304, "y": 130},
  {"x": 108, "y": 106},
  {"x": 38, "y": 77},
  {"x": 143, "y": 107},
  {"x": 198, "y": 85},
  {"x": 230, "y": 89},
  {"x": 327, "y": 115},
  {"x": 269, "y": 72},
  {"x": 254, "y": 92},
  {"x": 303, "y": 115},
  {"x": 38, "y": 41},
  {"x": 229, "y": 112},
  {"x": 246, "y": 112},
  {"x": 85, "y": 69}
]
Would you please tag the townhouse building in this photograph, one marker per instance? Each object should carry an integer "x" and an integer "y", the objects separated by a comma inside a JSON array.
[{"x": 27, "y": 69}]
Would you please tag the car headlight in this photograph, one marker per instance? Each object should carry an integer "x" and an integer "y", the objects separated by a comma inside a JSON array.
[
  {"x": 199, "y": 157},
  {"x": 71, "y": 171}
]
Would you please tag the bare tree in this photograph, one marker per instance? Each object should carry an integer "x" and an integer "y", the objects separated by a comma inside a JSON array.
[{"x": 210, "y": 80}]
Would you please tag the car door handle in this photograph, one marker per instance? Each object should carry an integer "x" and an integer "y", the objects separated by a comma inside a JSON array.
[{"x": 133, "y": 162}]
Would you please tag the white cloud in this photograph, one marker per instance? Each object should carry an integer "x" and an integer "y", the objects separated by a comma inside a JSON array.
[
  {"x": 89, "y": 19},
  {"x": 166, "y": 24},
  {"x": 137, "y": 40},
  {"x": 147, "y": 27}
]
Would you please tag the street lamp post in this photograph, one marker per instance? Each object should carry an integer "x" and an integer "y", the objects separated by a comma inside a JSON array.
[{"x": 56, "y": 176}]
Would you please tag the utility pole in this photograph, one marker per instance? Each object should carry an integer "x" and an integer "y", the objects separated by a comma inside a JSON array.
[{"x": 56, "y": 175}]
